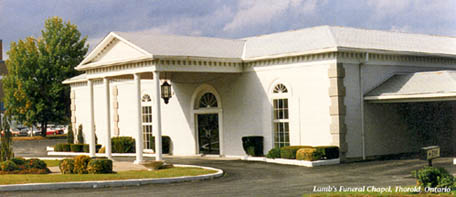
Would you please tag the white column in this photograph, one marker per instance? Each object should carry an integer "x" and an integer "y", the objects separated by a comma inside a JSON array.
[
  {"x": 157, "y": 117},
  {"x": 92, "y": 120},
  {"x": 221, "y": 144},
  {"x": 139, "y": 136},
  {"x": 108, "y": 119}
]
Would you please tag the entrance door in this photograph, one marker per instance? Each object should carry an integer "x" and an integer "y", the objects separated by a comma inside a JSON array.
[{"x": 208, "y": 134}]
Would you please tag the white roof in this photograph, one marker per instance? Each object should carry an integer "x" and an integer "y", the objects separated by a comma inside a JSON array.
[
  {"x": 419, "y": 85},
  {"x": 304, "y": 41},
  {"x": 336, "y": 38},
  {"x": 75, "y": 79},
  {"x": 173, "y": 45}
]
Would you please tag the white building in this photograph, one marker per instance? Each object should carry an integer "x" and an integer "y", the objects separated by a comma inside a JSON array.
[{"x": 316, "y": 86}]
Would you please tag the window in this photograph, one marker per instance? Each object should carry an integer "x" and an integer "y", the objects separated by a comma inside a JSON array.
[
  {"x": 147, "y": 122},
  {"x": 281, "y": 119},
  {"x": 208, "y": 100}
]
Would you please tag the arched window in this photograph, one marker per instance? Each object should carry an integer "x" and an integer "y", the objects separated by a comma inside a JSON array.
[
  {"x": 281, "y": 119},
  {"x": 208, "y": 100}
]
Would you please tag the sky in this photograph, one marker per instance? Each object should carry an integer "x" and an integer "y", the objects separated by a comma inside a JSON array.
[{"x": 223, "y": 18}]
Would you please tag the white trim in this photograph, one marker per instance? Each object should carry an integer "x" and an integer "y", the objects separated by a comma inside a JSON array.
[{"x": 411, "y": 97}]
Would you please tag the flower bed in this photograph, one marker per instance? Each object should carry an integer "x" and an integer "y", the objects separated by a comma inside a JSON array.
[{"x": 20, "y": 165}]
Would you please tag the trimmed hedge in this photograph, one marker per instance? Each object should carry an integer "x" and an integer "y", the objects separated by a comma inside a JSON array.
[
  {"x": 253, "y": 145},
  {"x": 64, "y": 147},
  {"x": 80, "y": 164},
  {"x": 76, "y": 147},
  {"x": 123, "y": 144},
  {"x": 289, "y": 152},
  {"x": 433, "y": 177},
  {"x": 21, "y": 166},
  {"x": 273, "y": 153},
  {"x": 66, "y": 166},
  {"x": 86, "y": 148},
  {"x": 166, "y": 144},
  {"x": 309, "y": 154},
  {"x": 99, "y": 166}
]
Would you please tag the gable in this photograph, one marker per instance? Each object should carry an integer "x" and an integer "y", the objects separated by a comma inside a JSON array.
[{"x": 116, "y": 50}]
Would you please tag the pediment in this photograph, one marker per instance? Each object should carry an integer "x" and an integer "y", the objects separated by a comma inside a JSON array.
[{"x": 116, "y": 50}]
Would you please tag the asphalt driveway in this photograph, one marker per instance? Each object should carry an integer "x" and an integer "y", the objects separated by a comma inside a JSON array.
[{"x": 247, "y": 178}]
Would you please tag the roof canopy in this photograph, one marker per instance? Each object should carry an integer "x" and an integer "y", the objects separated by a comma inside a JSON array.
[{"x": 416, "y": 87}]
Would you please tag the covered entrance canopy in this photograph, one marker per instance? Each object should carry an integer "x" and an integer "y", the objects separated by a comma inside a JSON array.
[
  {"x": 413, "y": 110},
  {"x": 415, "y": 87}
]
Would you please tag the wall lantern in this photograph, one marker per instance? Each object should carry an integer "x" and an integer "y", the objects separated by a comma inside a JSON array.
[{"x": 166, "y": 92}]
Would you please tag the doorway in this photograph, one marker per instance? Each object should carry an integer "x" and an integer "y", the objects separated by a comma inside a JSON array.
[{"x": 208, "y": 134}]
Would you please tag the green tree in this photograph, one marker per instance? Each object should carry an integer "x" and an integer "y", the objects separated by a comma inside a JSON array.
[
  {"x": 70, "y": 135},
  {"x": 6, "y": 148},
  {"x": 34, "y": 92}
]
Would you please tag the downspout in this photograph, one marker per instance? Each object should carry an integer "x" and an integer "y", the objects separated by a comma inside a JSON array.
[{"x": 361, "y": 96}]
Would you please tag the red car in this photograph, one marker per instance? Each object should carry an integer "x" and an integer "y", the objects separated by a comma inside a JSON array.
[{"x": 54, "y": 131}]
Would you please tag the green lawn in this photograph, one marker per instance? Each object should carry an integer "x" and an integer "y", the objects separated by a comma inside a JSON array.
[
  {"x": 374, "y": 194},
  {"x": 48, "y": 178},
  {"x": 52, "y": 163}
]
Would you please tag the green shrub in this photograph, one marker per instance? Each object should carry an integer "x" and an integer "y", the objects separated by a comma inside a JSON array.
[
  {"x": 80, "y": 164},
  {"x": 166, "y": 144},
  {"x": 66, "y": 166},
  {"x": 76, "y": 147},
  {"x": 70, "y": 135},
  {"x": 253, "y": 145},
  {"x": 433, "y": 177},
  {"x": 35, "y": 163},
  {"x": 309, "y": 154},
  {"x": 123, "y": 144},
  {"x": 86, "y": 148},
  {"x": 18, "y": 161},
  {"x": 64, "y": 147},
  {"x": 273, "y": 153},
  {"x": 8, "y": 166},
  {"x": 80, "y": 136},
  {"x": 289, "y": 152},
  {"x": 99, "y": 166},
  {"x": 329, "y": 152}
]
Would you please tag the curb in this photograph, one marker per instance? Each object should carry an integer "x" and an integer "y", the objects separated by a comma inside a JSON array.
[{"x": 112, "y": 183}]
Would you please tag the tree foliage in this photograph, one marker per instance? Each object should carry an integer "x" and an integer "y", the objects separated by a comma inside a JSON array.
[
  {"x": 34, "y": 92},
  {"x": 6, "y": 142}
]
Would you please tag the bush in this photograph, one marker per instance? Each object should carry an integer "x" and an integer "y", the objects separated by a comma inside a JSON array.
[
  {"x": 8, "y": 166},
  {"x": 309, "y": 154},
  {"x": 80, "y": 164},
  {"x": 86, "y": 148},
  {"x": 99, "y": 166},
  {"x": 70, "y": 135},
  {"x": 66, "y": 166},
  {"x": 273, "y": 153},
  {"x": 433, "y": 177},
  {"x": 18, "y": 161},
  {"x": 253, "y": 145},
  {"x": 64, "y": 147},
  {"x": 289, "y": 152},
  {"x": 76, "y": 147},
  {"x": 102, "y": 150},
  {"x": 35, "y": 163},
  {"x": 80, "y": 136},
  {"x": 123, "y": 145},
  {"x": 329, "y": 152},
  {"x": 166, "y": 144}
]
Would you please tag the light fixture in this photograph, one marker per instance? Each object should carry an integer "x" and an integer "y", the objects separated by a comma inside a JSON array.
[{"x": 166, "y": 91}]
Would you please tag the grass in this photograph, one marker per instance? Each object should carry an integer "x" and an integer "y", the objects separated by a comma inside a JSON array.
[
  {"x": 52, "y": 163},
  {"x": 29, "y": 138},
  {"x": 49, "y": 178},
  {"x": 377, "y": 194}
]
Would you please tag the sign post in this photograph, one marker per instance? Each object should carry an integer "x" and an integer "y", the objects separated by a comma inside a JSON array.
[{"x": 429, "y": 153}]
